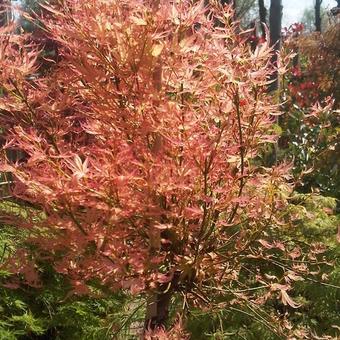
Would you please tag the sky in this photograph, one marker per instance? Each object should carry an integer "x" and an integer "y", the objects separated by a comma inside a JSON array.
[{"x": 293, "y": 9}]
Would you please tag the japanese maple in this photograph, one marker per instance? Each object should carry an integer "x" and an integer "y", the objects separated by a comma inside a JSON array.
[{"x": 141, "y": 147}]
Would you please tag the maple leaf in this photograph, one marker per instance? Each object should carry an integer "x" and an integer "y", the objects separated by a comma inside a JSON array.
[
  {"x": 285, "y": 298},
  {"x": 78, "y": 167}
]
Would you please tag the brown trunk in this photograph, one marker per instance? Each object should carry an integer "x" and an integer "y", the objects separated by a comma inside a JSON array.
[
  {"x": 275, "y": 17},
  {"x": 318, "y": 15},
  {"x": 157, "y": 310},
  {"x": 263, "y": 17},
  {"x": 158, "y": 304}
]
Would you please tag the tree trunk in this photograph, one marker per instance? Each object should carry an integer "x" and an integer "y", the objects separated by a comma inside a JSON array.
[
  {"x": 158, "y": 304},
  {"x": 318, "y": 15},
  {"x": 275, "y": 17},
  {"x": 263, "y": 17},
  {"x": 157, "y": 310}
]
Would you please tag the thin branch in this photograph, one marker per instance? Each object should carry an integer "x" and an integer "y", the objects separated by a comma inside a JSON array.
[{"x": 242, "y": 149}]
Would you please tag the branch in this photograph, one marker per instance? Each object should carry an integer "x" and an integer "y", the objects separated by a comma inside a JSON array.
[{"x": 242, "y": 149}]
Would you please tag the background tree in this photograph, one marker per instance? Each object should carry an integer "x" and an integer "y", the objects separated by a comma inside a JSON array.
[
  {"x": 275, "y": 19},
  {"x": 5, "y": 12},
  {"x": 318, "y": 15},
  {"x": 244, "y": 8},
  {"x": 308, "y": 19},
  {"x": 263, "y": 17},
  {"x": 314, "y": 139}
]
